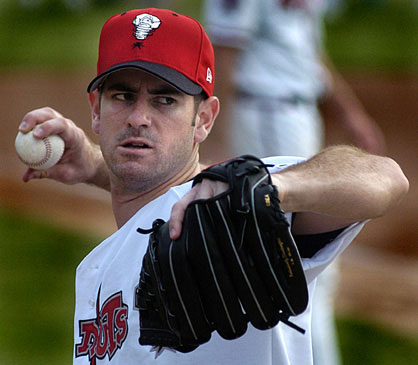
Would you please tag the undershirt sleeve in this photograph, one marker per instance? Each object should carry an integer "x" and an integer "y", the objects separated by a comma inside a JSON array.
[{"x": 309, "y": 245}]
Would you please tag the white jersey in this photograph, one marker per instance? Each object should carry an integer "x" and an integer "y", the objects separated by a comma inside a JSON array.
[
  {"x": 106, "y": 323},
  {"x": 280, "y": 42}
]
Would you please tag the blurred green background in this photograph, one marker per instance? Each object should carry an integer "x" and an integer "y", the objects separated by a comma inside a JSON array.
[
  {"x": 380, "y": 35},
  {"x": 38, "y": 261}
]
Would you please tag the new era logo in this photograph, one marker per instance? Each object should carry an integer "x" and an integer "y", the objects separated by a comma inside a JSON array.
[{"x": 209, "y": 75}]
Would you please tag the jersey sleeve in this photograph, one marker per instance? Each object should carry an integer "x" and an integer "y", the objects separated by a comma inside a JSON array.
[{"x": 278, "y": 163}]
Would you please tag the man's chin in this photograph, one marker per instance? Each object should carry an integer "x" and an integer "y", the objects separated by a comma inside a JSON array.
[{"x": 134, "y": 176}]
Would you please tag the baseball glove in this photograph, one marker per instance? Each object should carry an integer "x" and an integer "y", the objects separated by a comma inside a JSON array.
[{"x": 235, "y": 262}]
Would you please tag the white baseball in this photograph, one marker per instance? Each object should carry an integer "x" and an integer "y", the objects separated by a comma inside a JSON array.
[{"x": 39, "y": 154}]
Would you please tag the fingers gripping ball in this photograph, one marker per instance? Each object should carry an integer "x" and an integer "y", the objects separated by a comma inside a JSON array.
[
  {"x": 235, "y": 262},
  {"x": 39, "y": 154}
]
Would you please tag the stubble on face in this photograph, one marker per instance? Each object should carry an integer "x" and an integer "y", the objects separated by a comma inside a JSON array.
[
  {"x": 169, "y": 138},
  {"x": 135, "y": 175}
]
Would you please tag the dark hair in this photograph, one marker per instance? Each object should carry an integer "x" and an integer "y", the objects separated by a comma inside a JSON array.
[{"x": 199, "y": 98}]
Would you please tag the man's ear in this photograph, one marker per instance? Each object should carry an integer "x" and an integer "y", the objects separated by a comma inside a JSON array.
[
  {"x": 94, "y": 99},
  {"x": 205, "y": 117}
]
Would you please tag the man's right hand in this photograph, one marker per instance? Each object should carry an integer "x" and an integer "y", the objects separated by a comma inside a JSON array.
[{"x": 82, "y": 160}]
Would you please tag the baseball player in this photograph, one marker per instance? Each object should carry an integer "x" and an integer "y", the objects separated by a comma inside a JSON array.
[{"x": 152, "y": 104}]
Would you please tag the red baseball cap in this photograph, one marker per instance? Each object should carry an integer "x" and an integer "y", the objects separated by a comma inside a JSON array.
[{"x": 169, "y": 45}]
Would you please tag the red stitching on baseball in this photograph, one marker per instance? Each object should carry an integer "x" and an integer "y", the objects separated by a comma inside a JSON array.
[{"x": 47, "y": 156}]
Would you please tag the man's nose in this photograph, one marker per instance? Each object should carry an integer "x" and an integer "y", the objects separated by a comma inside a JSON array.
[{"x": 139, "y": 115}]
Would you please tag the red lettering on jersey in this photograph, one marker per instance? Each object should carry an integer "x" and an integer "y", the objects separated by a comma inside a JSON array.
[{"x": 105, "y": 334}]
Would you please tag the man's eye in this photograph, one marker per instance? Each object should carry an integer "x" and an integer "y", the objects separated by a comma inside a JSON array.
[
  {"x": 123, "y": 96},
  {"x": 165, "y": 100}
]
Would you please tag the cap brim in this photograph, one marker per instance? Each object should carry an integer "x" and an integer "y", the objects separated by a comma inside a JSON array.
[{"x": 165, "y": 73}]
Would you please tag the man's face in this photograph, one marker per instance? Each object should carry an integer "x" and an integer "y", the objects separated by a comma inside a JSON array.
[{"x": 145, "y": 129}]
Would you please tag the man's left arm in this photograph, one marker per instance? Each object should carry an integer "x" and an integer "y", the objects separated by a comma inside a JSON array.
[{"x": 339, "y": 186}]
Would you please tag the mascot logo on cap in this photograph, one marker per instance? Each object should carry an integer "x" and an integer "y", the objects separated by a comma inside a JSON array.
[{"x": 145, "y": 24}]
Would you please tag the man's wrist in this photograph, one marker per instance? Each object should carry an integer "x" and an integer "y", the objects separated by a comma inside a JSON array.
[{"x": 99, "y": 174}]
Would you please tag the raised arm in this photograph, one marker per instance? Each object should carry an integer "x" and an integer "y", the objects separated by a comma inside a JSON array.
[
  {"x": 343, "y": 183},
  {"x": 337, "y": 187},
  {"x": 82, "y": 161}
]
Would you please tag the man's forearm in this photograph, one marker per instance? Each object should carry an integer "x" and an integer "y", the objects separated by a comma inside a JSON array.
[{"x": 343, "y": 182}]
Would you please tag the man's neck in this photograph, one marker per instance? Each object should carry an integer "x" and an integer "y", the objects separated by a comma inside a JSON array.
[{"x": 126, "y": 204}]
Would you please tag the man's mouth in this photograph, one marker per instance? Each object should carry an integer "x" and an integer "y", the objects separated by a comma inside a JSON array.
[{"x": 135, "y": 145}]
